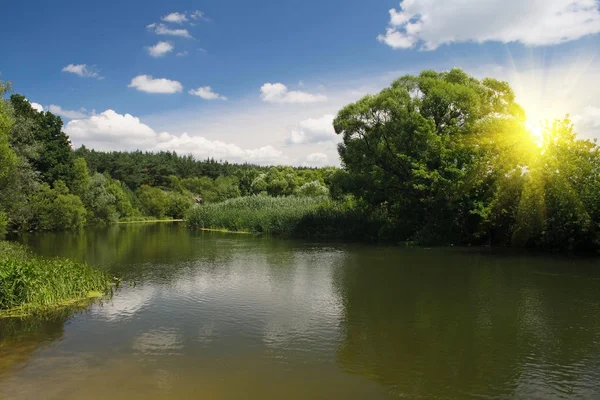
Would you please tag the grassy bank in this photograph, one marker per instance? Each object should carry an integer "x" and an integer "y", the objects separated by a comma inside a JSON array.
[
  {"x": 29, "y": 283},
  {"x": 306, "y": 217}
]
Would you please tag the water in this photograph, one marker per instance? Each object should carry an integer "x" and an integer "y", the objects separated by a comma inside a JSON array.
[{"x": 225, "y": 316}]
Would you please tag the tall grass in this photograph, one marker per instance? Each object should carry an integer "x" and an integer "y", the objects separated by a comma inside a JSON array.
[
  {"x": 31, "y": 283},
  {"x": 261, "y": 214},
  {"x": 307, "y": 217}
]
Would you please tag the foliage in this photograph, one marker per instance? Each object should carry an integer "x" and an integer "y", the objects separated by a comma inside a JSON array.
[
  {"x": 178, "y": 204},
  {"x": 3, "y": 223},
  {"x": 8, "y": 158},
  {"x": 261, "y": 214},
  {"x": 154, "y": 201},
  {"x": 449, "y": 159},
  {"x": 55, "y": 159},
  {"x": 312, "y": 189},
  {"x": 29, "y": 282},
  {"x": 54, "y": 209}
]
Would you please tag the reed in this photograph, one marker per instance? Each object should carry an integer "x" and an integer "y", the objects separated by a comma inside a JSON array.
[
  {"x": 30, "y": 283},
  {"x": 259, "y": 214}
]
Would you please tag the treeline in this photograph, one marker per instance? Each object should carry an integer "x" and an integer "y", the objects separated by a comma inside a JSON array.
[
  {"x": 444, "y": 158},
  {"x": 46, "y": 185}
]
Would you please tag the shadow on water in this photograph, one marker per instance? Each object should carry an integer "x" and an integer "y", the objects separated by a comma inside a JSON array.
[
  {"x": 20, "y": 338},
  {"x": 457, "y": 324}
]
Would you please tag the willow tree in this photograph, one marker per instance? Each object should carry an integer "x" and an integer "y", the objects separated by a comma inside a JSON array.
[{"x": 432, "y": 150}]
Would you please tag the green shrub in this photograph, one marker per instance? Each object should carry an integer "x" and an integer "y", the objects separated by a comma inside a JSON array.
[
  {"x": 55, "y": 209},
  {"x": 29, "y": 282},
  {"x": 153, "y": 200},
  {"x": 179, "y": 204},
  {"x": 312, "y": 189}
]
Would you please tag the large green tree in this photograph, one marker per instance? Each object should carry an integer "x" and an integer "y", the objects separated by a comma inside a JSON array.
[{"x": 430, "y": 149}]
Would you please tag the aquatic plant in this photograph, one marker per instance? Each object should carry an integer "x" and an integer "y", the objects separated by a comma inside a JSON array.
[
  {"x": 31, "y": 283},
  {"x": 259, "y": 213}
]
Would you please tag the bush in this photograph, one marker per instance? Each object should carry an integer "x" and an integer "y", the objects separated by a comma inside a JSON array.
[
  {"x": 56, "y": 209},
  {"x": 179, "y": 204},
  {"x": 30, "y": 283},
  {"x": 312, "y": 189},
  {"x": 153, "y": 200}
]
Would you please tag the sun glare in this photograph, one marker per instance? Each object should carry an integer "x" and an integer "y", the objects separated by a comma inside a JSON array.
[{"x": 536, "y": 131}]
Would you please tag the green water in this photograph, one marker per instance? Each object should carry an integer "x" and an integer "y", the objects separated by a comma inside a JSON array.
[{"x": 225, "y": 316}]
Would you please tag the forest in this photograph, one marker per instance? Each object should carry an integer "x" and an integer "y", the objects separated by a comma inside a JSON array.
[
  {"x": 47, "y": 185},
  {"x": 438, "y": 158}
]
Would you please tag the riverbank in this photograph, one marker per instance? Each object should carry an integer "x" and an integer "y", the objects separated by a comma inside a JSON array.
[
  {"x": 292, "y": 216},
  {"x": 31, "y": 284}
]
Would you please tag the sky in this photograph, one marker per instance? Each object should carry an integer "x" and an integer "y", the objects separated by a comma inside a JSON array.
[{"x": 261, "y": 82}]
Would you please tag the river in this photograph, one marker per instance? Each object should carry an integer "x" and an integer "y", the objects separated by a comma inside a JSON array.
[{"x": 230, "y": 316}]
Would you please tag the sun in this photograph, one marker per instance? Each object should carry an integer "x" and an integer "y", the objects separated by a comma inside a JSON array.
[{"x": 536, "y": 130}]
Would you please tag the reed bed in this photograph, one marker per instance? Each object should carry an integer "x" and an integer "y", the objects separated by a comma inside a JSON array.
[
  {"x": 30, "y": 283},
  {"x": 258, "y": 214}
]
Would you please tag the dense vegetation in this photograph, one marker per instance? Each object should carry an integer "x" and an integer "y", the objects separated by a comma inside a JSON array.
[
  {"x": 46, "y": 185},
  {"x": 31, "y": 283},
  {"x": 444, "y": 158},
  {"x": 448, "y": 159},
  {"x": 260, "y": 214},
  {"x": 439, "y": 158}
]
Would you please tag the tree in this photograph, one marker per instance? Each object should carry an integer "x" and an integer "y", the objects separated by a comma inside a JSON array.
[
  {"x": 154, "y": 201},
  {"x": 56, "y": 158},
  {"x": 421, "y": 148},
  {"x": 312, "y": 189},
  {"x": 8, "y": 159}
]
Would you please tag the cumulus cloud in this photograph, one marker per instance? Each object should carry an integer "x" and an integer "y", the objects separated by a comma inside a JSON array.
[
  {"x": 316, "y": 160},
  {"x": 113, "y": 131},
  {"x": 175, "y": 17},
  {"x": 160, "y": 49},
  {"x": 432, "y": 23},
  {"x": 162, "y": 29},
  {"x": 146, "y": 83},
  {"x": 313, "y": 130},
  {"x": 279, "y": 93},
  {"x": 82, "y": 70},
  {"x": 587, "y": 124},
  {"x": 69, "y": 114},
  {"x": 36, "y": 106},
  {"x": 206, "y": 93}
]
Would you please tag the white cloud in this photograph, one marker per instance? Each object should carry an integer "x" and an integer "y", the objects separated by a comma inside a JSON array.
[
  {"x": 206, "y": 93},
  {"x": 146, "y": 83},
  {"x": 198, "y": 15},
  {"x": 36, "y": 106},
  {"x": 160, "y": 49},
  {"x": 431, "y": 23},
  {"x": 112, "y": 131},
  {"x": 316, "y": 160},
  {"x": 162, "y": 29},
  {"x": 313, "y": 130},
  {"x": 587, "y": 124},
  {"x": 177, "y": 18},
  {"x": 69, "y": 114},
  {"x": 82, "y": 70},
  {"x": 279, "y": 93},
  {"x": 182, "y": 53}
]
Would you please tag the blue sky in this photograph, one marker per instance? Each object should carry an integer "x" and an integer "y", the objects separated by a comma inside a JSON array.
[{"x": 261, "y": 81}]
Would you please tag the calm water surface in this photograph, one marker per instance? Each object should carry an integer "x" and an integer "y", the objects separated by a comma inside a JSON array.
[{"x": 224, "y": 316}]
